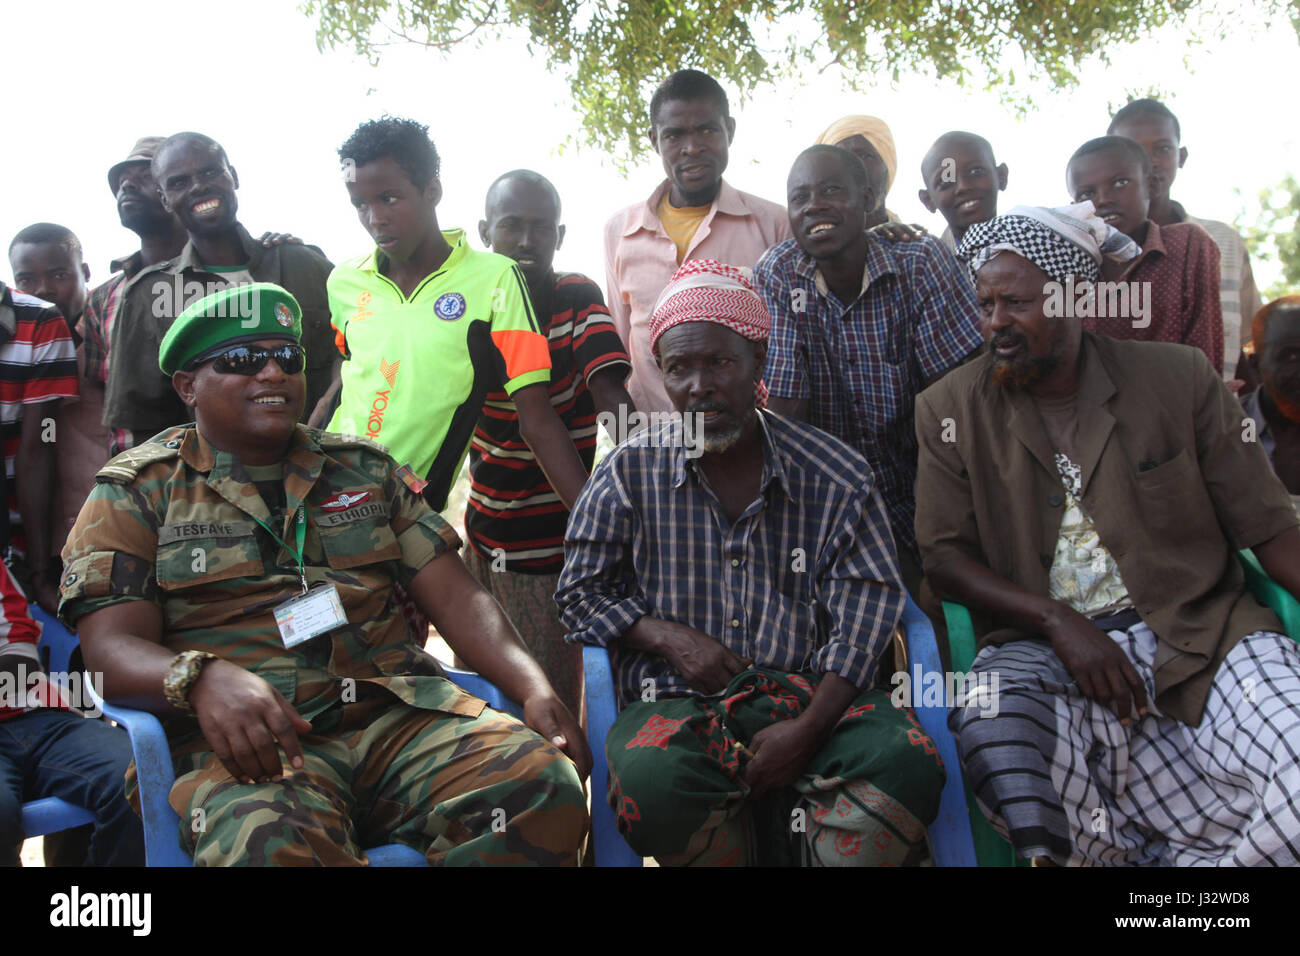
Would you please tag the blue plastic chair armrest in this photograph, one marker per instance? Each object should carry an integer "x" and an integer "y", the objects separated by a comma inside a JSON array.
[
  {"x": 602, "y": 710},
  {"x": 57, "y": 643},
  {"x": 951, "y": 842},
  {"x": 50, "y": 815},
  {"x": 483, "y": 689},
  {"x": 154, "y": 778}
]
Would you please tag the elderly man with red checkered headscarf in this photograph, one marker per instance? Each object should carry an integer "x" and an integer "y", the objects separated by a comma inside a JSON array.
[{"x": 740, "y": 568}]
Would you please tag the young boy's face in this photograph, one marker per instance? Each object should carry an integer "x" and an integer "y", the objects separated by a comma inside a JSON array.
[
  {"x": 398, "y": 214},
  {"x": 963, "y": 184},
  {"x": 1115, "y": 183},
  {"x": 523, "y": 224},
  {"x": 53, "y": 272},
  {"x": 1156, "y": 135}
]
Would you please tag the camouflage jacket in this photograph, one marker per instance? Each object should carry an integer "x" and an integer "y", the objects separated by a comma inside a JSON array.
[{"x": 171, "y": 521}]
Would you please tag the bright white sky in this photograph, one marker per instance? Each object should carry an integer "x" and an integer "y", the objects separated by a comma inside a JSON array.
[{"x": 85, "y": 80}]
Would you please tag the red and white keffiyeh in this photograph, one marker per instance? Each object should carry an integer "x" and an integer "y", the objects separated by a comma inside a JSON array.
[{"x": 705, "y": 290}]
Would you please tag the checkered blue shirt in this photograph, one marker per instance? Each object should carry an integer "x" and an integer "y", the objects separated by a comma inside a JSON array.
[
  {"x": 805, "y": 580},
  {"x": 861, "y": 366}
]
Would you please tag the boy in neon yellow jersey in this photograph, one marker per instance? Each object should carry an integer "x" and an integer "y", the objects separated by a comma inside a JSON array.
[{"x": 427, "y": 326}]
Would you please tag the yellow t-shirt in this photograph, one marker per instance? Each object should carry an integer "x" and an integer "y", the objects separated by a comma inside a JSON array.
[{"x": 680, "y": 223}]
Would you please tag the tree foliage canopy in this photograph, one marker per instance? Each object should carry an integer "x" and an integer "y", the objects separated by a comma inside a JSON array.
[
  {"x": 613, "y": 52},
  {"x": 1275, "y": 235}
]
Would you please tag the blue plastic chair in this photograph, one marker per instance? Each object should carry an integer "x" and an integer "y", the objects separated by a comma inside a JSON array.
[
  {"x": 949, "y": 835},
  {"x": 951, "y": 842},
  {"x": 52, "y": 814},
  {"x": 484, "y": 689},
  {"x": 155, "y": 776},
  {"x": 602, "y": 709}
]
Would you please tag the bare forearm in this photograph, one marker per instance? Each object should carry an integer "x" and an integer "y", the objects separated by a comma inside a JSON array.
[
  {"x": 34, "y": 507},
  {"x": 317, "y": 419},
  {"x": 611, "y": 397},
  {"x": 972, "y": 584},
  {"x": 36, "y": 480},
  {"x": 832, "y": 698},
  {"x": 473, "y": 624},
  {"x": 645, "y": 636},
  {"x": 553, "y": 448},
  {"x": 1280, "y": 558}
]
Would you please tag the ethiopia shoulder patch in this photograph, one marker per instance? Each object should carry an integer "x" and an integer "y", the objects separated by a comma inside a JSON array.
[
  {"x": 449, "y": 306},
  {"x": 407, "y": 477}
]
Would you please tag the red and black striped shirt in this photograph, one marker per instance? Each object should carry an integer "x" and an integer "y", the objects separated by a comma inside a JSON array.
[
  {"x": 23, "y": 681},
  {"x": 511, "y": 504},
  {"x": 38, "y": 363}
]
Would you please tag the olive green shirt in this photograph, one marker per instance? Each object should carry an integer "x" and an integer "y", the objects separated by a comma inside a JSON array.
[{"x": 139, "y": 396}]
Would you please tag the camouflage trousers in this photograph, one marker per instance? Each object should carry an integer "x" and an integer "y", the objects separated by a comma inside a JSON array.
[
  {"x": 676, "y": 780},
  {"x": 529, "y": 602},
  {"x": 480, "y": 790}
]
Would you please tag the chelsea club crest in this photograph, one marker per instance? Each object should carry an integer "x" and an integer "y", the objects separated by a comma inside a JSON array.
[{"x": 449, "y": 306}]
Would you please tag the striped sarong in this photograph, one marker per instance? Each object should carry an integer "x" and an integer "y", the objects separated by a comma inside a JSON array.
[{"x": 1059, "y": 776}]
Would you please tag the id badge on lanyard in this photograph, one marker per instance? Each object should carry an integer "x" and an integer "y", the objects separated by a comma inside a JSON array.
[
  {"x": 310, "y": 614},
  {"x": 313, "y": 612}
]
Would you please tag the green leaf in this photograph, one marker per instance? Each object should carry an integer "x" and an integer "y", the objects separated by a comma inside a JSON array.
[{"x": 614, "y": 52}]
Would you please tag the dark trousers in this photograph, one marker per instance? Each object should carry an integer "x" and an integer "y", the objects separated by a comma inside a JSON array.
[{"x": 55, "y": 753}]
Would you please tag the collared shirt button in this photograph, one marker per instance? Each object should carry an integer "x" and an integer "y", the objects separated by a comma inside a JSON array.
[
  {"x": 735, "y": 562},
  {"x": 735, "y": 622}
]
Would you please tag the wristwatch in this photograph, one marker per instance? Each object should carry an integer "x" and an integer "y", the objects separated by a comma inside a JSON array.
[{"x": 182, "y": 672}]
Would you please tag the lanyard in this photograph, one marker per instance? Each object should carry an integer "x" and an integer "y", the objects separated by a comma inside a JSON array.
[{"x": 300, "y": 532}]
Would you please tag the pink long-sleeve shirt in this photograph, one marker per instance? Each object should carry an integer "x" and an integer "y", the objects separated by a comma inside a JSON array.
[{"x": 640, "y": 259}]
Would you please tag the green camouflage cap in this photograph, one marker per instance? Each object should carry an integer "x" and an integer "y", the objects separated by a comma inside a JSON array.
[{"x": 242, "y": 313}]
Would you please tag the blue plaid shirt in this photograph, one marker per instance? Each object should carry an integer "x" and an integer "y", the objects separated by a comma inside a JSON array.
[
  {"x": 861, "y": 365},
  {"x": 805, "y": 580}
]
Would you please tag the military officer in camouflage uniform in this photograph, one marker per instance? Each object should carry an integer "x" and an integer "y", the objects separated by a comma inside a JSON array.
[{"x": 305, "y": 727}]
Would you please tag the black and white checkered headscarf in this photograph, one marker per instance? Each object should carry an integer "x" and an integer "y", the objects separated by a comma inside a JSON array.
[{"x": 1066, "y": 241}]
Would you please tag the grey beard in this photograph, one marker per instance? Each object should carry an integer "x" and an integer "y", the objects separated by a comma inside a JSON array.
[{"x": 718, "y": 442}]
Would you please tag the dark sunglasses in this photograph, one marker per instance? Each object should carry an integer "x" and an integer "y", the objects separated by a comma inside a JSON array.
[{"x": 251, "y": 359}]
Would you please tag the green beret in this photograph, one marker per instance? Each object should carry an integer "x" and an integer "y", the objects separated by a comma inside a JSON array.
[{"x": 241, "y": 313}]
